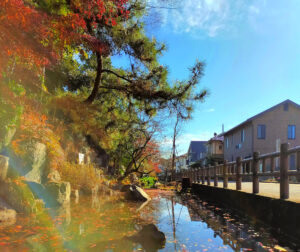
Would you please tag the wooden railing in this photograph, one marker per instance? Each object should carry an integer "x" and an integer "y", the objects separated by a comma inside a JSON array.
[{"x": 249, "y": 168}]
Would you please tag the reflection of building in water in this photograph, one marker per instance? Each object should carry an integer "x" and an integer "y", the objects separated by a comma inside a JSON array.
[
  {"x": 233, "y": 234},
  {"x": 193, "y": 215}
]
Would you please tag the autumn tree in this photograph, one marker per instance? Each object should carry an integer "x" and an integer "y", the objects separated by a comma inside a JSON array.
[
  {"x": 71, "y": 53},
  {"x": 140, "y": 152}
]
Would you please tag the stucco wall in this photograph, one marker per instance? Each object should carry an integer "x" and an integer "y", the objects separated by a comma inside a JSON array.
[
  {"x": 214, "y": 148},
  {"x": 234, "y": 138},
  {"x": 277, "y": 122}
]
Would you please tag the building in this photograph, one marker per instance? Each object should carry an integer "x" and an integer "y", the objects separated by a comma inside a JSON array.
[
  {"x": 181, "y": 163},
  {"x": 215, "y": 149},
  {"x": 196, "y": 152},
  {"x": 264, "y": 132}
]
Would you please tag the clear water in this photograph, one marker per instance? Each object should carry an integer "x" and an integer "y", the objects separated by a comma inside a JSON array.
[{"x": 102, "y": 223}]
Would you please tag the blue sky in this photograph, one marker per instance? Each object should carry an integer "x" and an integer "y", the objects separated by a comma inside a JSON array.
[{"x": 252, "y": 53}]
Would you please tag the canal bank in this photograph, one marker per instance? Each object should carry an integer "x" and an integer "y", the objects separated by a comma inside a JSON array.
[{"x": 282, "y": 215}]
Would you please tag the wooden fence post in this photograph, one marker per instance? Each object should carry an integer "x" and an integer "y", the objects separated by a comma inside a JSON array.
[
  {"x": 298, "y": 164},
  {"x": 298, "y": 160},
  {"x": 238, "y": 173},
  {"x": 264, "y": 168},
  {"x": 272, "y": 164},
  {"x": 284, "y": 166},
  {"x": 225, "y": 175},
  {"x": 208, "y": 175},
  {"x": 255, "y": 181},
  {"x": 203, "y": 175},
  {"x": 215, "y": 174}
]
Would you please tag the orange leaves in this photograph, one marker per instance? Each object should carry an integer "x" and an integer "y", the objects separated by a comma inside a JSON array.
[
  {"x": 19, "y": 26},
  {"x": 37, "y": 38},
  {"x": 19, "y": 181},
  {"x": 35, "y": 126}
]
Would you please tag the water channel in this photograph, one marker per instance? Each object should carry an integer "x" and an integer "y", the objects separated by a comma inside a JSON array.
[{"x": 102, "y": 224}]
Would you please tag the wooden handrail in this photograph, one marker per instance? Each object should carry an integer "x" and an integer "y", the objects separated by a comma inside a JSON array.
[{"x": 249, "y": 167}]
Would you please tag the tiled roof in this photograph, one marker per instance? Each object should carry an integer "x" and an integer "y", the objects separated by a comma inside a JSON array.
[
  {"x": 198, "y": 146},
  {"x": 217, "y": 138}
]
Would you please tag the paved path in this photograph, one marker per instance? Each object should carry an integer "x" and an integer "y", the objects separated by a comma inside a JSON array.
[{"x": 267, "y": 189}]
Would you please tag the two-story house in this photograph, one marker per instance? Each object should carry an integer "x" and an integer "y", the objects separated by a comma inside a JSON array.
[
  {"x": 181, "y": 163},
  {"x": 215, "y": 149},
  {"x": 196, "y": 152},
  {"x": 265, "y": 132}
]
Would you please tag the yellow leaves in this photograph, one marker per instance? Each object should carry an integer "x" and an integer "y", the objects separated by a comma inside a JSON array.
[
  {"x": 281, "y": 249},
  {"x": 79, "y": 175}
]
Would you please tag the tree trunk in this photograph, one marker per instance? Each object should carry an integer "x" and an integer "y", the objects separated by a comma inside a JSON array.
[
  {"x": 174, "y": 148},
  {"x": 97, "y": 82}
]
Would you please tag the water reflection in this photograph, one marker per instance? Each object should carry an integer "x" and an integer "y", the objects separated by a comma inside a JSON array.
[{"x": 104, "y": 223}]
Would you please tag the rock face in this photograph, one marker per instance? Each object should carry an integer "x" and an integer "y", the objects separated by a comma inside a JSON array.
[
  {"x": 136, "y": 193},
  {"x": 54, "y": 176},
  {"x": 37, "y": 189},
  {"x": 19, "y": 196},
  {"x": 125, "y": 188},
  {"x": 150, "y": 238},
  {"x": 3, "y": 167},
  {"x": 7, "y": 217},
  {"x": 57, "y": 193},
  {"x": 6, "y": 137},
  {"x": 7, "y": 214},
  {"x": 34, "y": 166}
]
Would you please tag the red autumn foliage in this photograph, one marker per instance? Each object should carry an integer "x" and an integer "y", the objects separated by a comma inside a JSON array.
[
  {"x": 152, "y": 153},
  {"x": 31, "y": 38},
  {"x": 22, "y": 30}
]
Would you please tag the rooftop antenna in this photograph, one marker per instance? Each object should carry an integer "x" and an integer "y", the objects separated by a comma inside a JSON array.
[{"x": 223, "y": 128}]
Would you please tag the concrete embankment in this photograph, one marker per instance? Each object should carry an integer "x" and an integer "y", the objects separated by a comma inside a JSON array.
[{"x": 282, "y": 215}]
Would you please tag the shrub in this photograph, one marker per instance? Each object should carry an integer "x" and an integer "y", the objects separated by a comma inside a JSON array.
[
  {"x": 148, "y": 182},
  {"x": 81, "y": 176}
]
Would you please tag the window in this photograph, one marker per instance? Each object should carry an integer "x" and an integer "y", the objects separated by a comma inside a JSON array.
[
  {"x": 286, "y": 107},
  {"x": 220, "y": 147},
  {"x": 242, "y": 135},
  {"x": 227, "y": 142},
  {"x": 291, "y": 131},
  {"x": 261, "y": 131}
]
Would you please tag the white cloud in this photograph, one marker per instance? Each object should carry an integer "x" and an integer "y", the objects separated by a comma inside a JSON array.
[
  {"x": 208, "y": 17},
  {"x": 210, "y": 110}
]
